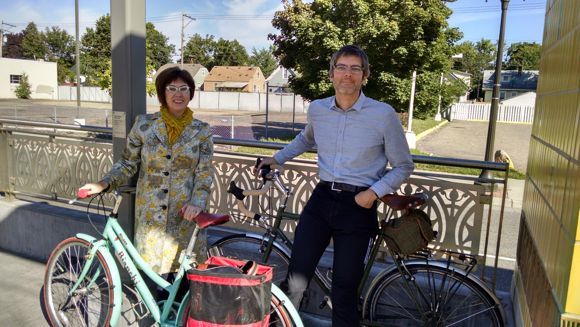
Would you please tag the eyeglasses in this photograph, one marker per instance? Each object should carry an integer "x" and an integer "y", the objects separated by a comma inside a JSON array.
[
  {"x": 174, "y": 89},
  {"x": 344, "y": 68}
]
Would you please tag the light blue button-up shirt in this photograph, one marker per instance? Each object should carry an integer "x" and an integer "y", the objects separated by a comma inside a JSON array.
[{"x": 354, "y": 146}]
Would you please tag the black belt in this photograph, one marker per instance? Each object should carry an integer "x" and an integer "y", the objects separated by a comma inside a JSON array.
[{"x": 343, "y": 187}]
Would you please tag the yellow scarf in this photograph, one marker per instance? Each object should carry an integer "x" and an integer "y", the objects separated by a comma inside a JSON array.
[{"x": 175, "y": 126}]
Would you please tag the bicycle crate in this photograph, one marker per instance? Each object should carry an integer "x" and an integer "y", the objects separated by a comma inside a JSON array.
[{"x": 229, "y": 292}]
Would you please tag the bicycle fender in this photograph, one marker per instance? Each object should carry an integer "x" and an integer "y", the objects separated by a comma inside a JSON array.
[
  {"x": 256, "y": 236},
  {"x": 276, "y": 291},
  {"x": 100, "y": 246}
]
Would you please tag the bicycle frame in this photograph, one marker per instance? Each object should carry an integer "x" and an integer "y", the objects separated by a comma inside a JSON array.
[
  {"x": 457, "y": 264},
  {"x": 132, "y": 262}
]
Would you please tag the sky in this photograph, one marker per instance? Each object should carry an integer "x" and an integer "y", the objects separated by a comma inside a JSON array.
[{"x": 249, "y": 21}]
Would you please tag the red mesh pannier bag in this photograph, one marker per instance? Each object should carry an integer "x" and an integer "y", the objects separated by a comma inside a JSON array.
[{"x": 229, "y": 292}]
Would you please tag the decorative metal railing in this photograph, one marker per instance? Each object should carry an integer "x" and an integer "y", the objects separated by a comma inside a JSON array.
[{"x": 51, "y": 161}]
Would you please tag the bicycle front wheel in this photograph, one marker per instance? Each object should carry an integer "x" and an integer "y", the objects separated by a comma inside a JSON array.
[
  {"x": 91, "y": 304},
  {"x": 248, "y": 247},
  {"x": 431, "y": 295}
]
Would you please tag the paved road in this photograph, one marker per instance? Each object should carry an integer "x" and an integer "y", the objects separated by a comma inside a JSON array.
[{"x": 467, "y": 139}]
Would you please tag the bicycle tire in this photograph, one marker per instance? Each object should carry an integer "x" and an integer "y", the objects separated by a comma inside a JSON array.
[
  {"x": 435, "y": 296},
  {"x": 251, "y": 247},
  {"x": 92, "y": 303}
]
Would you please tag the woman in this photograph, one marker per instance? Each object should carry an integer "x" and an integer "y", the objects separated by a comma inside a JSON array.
[{"x": 173, "y": 153}]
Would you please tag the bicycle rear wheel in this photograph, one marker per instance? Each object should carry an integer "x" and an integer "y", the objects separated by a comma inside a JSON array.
[
  {"x": 252, "y": 248},
  {"x": 431, "y": 296},
  {"x": 92, "y": 302}
]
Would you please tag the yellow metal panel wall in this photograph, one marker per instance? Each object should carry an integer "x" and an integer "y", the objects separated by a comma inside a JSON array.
[{"x": 552, "y": 193}]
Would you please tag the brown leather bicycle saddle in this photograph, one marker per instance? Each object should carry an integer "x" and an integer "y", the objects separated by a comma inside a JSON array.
[{"x": 400, "y": 202}]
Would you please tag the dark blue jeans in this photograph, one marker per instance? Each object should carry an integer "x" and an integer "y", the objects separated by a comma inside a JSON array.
[{"x": 332, "y": 215}]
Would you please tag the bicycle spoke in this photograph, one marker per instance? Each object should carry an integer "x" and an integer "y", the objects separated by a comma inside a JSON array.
[
  {"x": 446, "y": 297},
  {"x": 91, "y": 302}
]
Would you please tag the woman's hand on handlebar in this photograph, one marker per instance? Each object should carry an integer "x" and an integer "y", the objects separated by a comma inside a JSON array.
[
  {"x": 93, "y": 188},
  {"x": 264, "y": 162},
  {"x": 189, "y": 211}
]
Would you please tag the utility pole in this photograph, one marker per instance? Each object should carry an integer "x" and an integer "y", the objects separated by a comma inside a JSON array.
[
  {"x": 410, "y": 135},
  {"x": 77, "y": 58},
  {"x": 183, "y": 26},
  {"x": 486, "y": 174},
  {"x": 2, "y": 35}
]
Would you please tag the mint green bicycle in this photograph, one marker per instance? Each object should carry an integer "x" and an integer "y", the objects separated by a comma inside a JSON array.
[{"x": 82, "y": 284}]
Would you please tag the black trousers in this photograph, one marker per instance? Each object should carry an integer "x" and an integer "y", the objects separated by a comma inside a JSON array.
[{"x": 332, "y": 215}]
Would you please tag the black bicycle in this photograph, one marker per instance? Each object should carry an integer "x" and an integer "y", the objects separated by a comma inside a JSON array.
[{"x": 416, "y": 290}]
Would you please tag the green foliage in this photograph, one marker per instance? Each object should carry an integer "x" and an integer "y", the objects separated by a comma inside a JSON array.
[
  {"x": 104, "y": 79},
  {"x": 398, "y": 36},
  {"x": 199, "y": 50},
  {"x": 33, "y": 46},
  {"x": 96, "y": 49},
  {"x": 524, "y": 56},
  {"x": 60, "y": 49},
  {"x": 22, "y": 91},
  {"x": 476, "y": 58},
  {"x": 264, "y": 59},
  {"x": 229, "y": 53},
  {"x": 209, "y": 52},
  {"x": 12, "y": 48},
  {"x": 158, "y": 51},
  {"x": 96, "y": 54}
]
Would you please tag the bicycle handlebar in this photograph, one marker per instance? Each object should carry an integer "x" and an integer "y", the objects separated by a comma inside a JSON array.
[{"x": 271, "y": 178}]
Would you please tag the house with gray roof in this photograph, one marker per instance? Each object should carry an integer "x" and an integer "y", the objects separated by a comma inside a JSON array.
[
  {"x": 512, "y": 83},
  {"x": 278, "y": 81},
  {"x": 197, "y": 71}
]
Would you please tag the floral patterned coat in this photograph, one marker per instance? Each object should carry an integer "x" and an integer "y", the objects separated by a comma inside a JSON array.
[{"x": 169, "y": 177}]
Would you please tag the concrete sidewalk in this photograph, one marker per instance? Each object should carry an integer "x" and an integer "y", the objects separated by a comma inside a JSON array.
[{"x": 467, "y": 140}]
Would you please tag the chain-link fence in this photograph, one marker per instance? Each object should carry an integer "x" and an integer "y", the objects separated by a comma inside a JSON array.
[
  {"x": 236, "y": 124},
  {"x": 255, "y": 126}
]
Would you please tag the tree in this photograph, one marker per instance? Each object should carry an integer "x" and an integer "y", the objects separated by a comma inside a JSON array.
[
  {"x": 96, "y": 50},
  {"x": 13, "y": 46},
  {"x": 229, "y": 53},
  {"x": 33, "y": 46},
  {"x": 200, "y": 50},
  {"x": 60, "y": 49},
  {"x": 398, "y": 36},
  {"x": 476, "y": 58},
  {"x": 264, "y": 59},
  {"x": 523, "y": 56},
  {"x": 158, "y": 51},
  {"x": 96, "y": 53},
  {"x": 22, "y": 91}
]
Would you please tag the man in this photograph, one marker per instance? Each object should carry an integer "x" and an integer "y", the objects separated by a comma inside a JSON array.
[{"x": 355, "y": 137}]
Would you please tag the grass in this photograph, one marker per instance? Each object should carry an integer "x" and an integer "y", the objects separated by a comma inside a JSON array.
[{"x": 419, "y": 126}]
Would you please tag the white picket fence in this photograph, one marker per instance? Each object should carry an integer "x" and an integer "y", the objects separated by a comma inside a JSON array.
[
  {"x": 242, "y": 101},
  {"x": 506, "y": 113}
]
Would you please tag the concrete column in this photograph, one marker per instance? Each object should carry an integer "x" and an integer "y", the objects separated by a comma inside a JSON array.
[{"x": 129, "y": 98}]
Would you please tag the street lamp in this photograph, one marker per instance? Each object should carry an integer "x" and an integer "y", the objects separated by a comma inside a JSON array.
[{"x": 486, "y": 174}]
